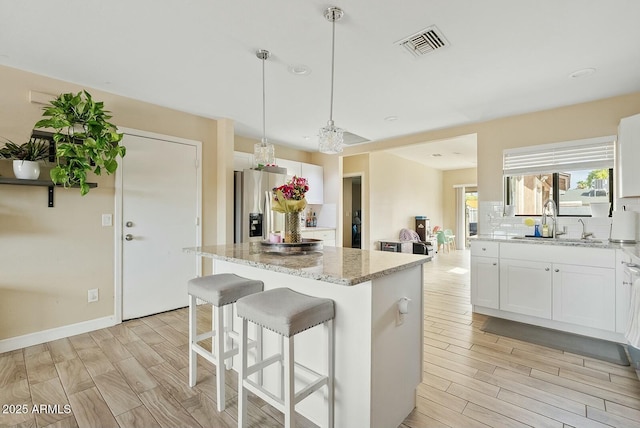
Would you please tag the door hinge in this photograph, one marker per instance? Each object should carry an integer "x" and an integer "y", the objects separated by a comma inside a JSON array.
[
  {"x": 197, "y": 221},
  {"x": 196, "y": 163}
]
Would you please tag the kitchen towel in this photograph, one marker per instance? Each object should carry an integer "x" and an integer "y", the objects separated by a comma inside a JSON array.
[{"x": 633, "y": 324}]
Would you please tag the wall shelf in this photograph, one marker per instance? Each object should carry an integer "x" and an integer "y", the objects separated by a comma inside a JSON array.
[{"x": 38, "y": 183}]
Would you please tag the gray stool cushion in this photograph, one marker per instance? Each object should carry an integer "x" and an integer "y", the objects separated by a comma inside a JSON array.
[
  {"x": 223, "y": 288},
  {"x": 285, "y": 311}
]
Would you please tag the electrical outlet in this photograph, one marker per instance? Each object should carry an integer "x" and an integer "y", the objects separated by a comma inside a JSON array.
[
  {"x": 107, "y": 220},
  {"x": 92, "y": 295}
]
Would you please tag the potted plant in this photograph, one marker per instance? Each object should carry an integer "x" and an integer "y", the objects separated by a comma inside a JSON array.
[
  {"x": 85, "y": 139},
  {"x": 25, "y": 157}
]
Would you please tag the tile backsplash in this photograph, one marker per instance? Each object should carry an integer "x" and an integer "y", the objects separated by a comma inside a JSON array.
[{"x": 492, "y": 221}]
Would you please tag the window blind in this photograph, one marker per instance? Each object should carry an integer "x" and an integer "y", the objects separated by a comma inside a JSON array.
[{"x": 593, "y": 153}]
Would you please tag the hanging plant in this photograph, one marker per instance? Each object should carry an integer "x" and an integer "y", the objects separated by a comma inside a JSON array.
[{"x": 85, "y": 140}]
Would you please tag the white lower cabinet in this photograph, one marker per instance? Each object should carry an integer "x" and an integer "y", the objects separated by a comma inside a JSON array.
[
  {"x": 623, "y": 291},
  {"x": 328, "y": 236},
  {"x": 584, "y": 287},
  {"x": 584, "y": 295},
  {"x": 525, "y": 287},
  {"x": 485, "y": 273},
  {"x": 484, "y": 282}
]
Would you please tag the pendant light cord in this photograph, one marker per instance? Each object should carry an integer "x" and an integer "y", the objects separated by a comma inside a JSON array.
[
  {"x": 333, "y": 54},
  {"x": 264, "y": 114}
]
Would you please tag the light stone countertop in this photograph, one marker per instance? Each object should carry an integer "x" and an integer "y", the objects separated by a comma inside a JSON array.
[
  {"x": 631, "y": 249},
  {"x": 345, "y": 266},
  {"x": 565, "y": 242},
  {"x": 311, "y": 229}
]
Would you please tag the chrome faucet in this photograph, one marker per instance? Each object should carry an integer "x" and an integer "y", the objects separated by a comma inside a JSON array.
[
  {"x": 551, "y": 203},
  {"x": 584, "y": 235}
]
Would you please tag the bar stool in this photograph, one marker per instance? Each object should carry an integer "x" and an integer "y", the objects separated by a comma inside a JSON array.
[
  {"x": 220, "y": 290},
  {"x": 286, "y": 313}
]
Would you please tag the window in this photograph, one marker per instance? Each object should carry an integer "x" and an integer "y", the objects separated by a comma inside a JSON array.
[{"x": 574, "y": 174}]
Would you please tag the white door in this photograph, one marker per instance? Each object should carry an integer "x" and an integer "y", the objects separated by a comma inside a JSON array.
[{"x": 160, "y": 216}]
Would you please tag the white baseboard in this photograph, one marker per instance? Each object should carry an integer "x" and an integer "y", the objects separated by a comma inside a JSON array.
[{"x": 39, "y": 337}]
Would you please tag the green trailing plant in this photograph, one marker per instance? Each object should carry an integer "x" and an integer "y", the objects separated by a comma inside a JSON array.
[
  {"x": 85, "y": 139},
  {"x": 32, "y": 150}
]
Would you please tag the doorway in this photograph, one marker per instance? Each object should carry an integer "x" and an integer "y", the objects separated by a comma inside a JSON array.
[
  {"x": 352, "y": 207},
  {"x": 158, "y": 199}
]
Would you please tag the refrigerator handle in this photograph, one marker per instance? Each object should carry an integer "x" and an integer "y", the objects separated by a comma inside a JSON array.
[{"x": 268, "y": 216}]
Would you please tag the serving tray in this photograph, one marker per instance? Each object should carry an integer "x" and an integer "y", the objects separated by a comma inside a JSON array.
[{"x": 304, "y": 247}]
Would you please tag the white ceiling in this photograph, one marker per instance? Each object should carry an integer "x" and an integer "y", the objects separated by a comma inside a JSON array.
[
  {"x": 505, "y": 57},
  {"x": 452, "y": 153}
]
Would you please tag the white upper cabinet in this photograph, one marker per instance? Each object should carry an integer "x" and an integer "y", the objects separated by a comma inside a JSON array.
[
  {"x": 293, "y": 167},
  {"x": 315, "y": 176},
  {"x": 242, "y": 161},
  {"x": 628, "y": 155}
]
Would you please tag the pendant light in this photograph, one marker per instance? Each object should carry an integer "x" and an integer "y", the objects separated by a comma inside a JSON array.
[
  {"x": 330, "y": 137},
  {"x": 263, "y": 152}
]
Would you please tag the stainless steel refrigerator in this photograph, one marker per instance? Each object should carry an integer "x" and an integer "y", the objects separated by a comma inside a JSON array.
[{"x": 253, "y": 217}]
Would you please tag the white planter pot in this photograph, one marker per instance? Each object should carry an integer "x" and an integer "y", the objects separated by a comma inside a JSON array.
[{"x": 26, "y": 170}]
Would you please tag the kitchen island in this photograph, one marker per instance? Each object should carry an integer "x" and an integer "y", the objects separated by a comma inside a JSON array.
[{"x": 378, "y": 351}]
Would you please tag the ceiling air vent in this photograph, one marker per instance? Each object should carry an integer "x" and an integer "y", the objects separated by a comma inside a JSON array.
[
  {"x": 424, "y": 42},
  {"x": 351, "y": 139}
]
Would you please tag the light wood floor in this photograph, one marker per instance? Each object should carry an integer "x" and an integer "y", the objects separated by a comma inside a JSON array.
[{"x": 135, "y": 375}]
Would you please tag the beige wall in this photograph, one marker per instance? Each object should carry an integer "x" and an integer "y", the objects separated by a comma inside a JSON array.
[
  {"x": 450, "y": 179},
  {"x": 50, "y": 257},
  {"x": 245, "y": 144},
  {"x": 400, "y": 190}
]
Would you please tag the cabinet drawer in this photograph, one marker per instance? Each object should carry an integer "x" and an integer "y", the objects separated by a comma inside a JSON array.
[
  {"x": 484, "y": 248},
  {"x": 325, "y": 235}
]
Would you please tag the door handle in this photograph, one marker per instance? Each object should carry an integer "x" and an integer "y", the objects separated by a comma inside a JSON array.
[{"x": 128, "y": 237}]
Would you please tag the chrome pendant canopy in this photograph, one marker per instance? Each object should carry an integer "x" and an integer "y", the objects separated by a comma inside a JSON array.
[
  {"x": 263, "y": 152},
  {"x": 330, "y": 138}
]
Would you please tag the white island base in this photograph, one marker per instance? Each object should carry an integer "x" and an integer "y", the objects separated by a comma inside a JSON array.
[{"x": 378, "y": 356}]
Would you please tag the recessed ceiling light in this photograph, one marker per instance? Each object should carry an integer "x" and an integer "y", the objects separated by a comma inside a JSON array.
[
  {"x": 306, "y": 138},
  {"x": 391, "y": 118},
  {"x": 582, "y": 73},
  {"x": 299, "y": 70}
]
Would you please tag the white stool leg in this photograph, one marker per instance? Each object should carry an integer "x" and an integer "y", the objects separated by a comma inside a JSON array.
[
  {"x": 281, "y": 367},
  {"x": 228, "y": 314},
  {"x": 289, "y": 384},
  {"x": 330, "y": 369},
  {"x": 219, "y": 351},
  {"x": 242, "y": 375},
  {"x": 259, "y": 355},
  {"x": 193, "y": 358}
]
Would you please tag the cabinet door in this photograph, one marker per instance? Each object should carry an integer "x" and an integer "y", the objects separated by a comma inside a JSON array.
[
  {"x": 314, "y": 174},
  {"x": 629, "y": 153},
  {"x": 242, "y": 161},
  {"x": 485, "y": 284},
  {"x": 584, "y": 295},
  {"x": 525, "y": 287},
  {"x": 293, "y": 167},
  {"x": 623, "y": 291}
]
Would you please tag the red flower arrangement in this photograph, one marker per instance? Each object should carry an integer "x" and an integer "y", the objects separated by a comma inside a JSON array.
[{"x": 290, "y": 196}]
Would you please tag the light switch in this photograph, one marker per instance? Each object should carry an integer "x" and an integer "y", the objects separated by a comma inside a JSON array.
[{"x": 107, "y": 220}]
